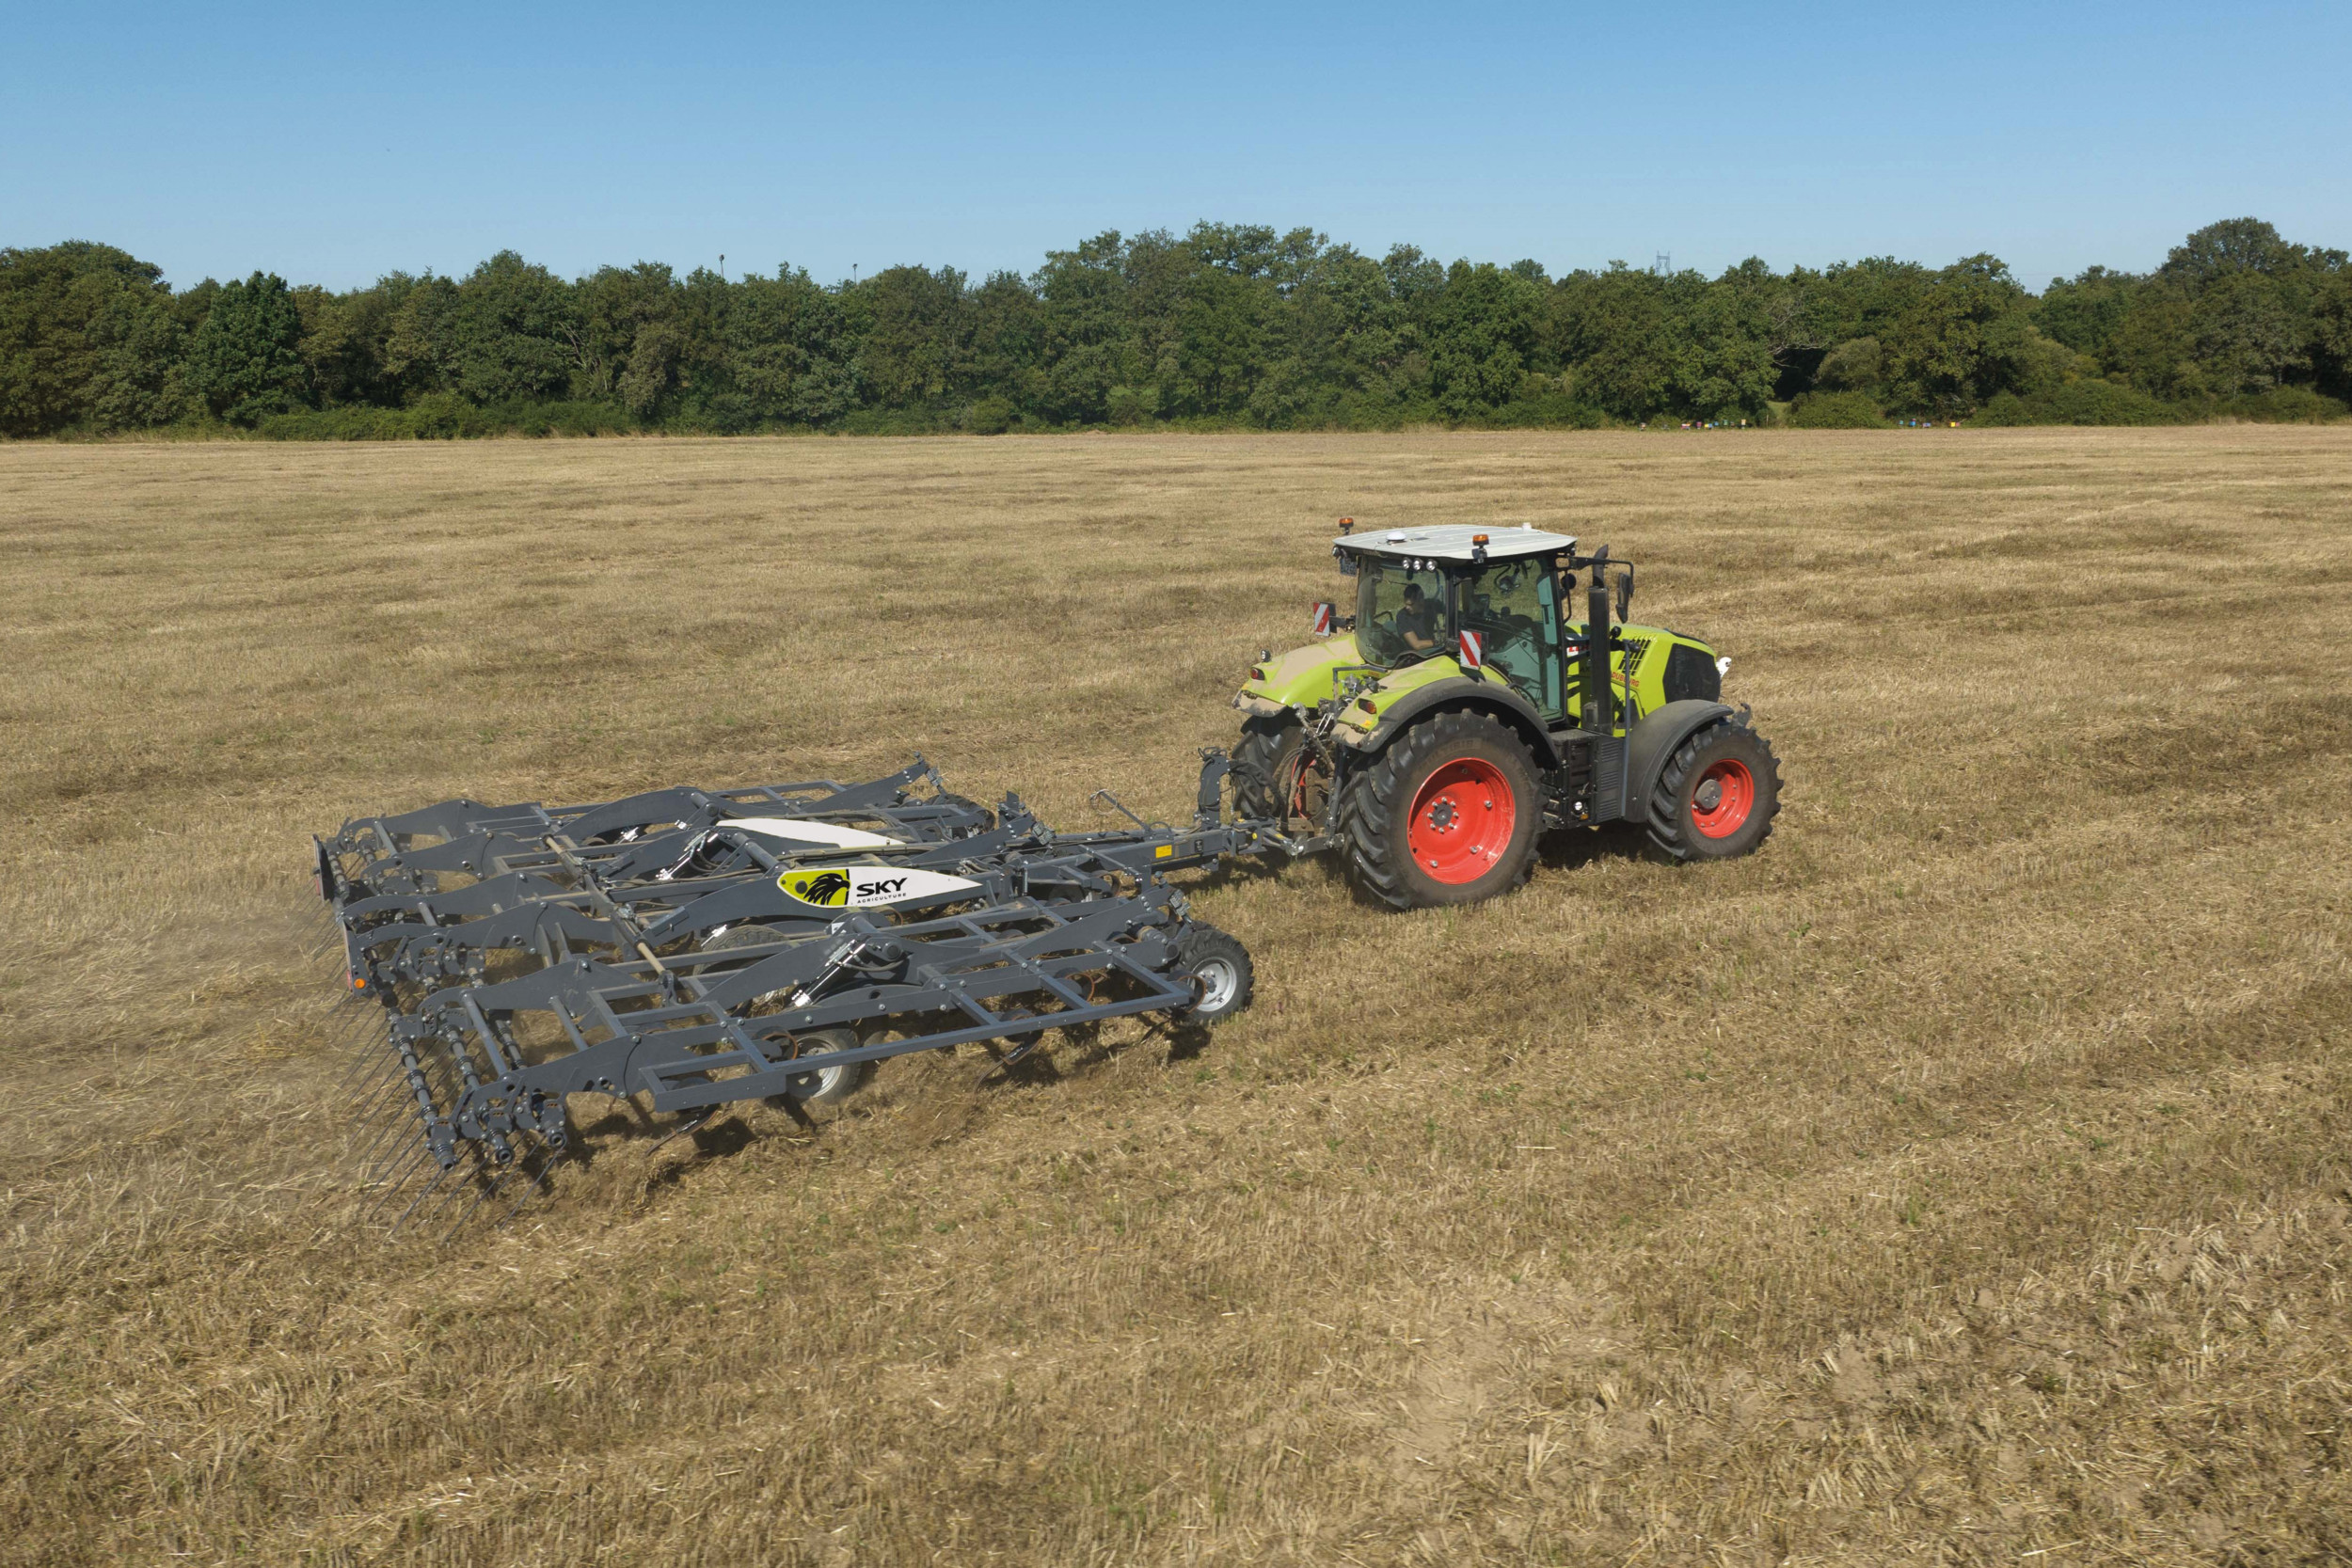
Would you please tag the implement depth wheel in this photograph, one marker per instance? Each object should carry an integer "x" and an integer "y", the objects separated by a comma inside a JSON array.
[
  {"x": 1221, "y": 966},
  {"x": 828, "y": 1086},
  {"x": 1450, "y": 813},
  {"x": 1717, "y": 796}
]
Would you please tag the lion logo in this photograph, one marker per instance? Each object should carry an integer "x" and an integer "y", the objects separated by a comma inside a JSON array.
[{"x": 826, "y": 889}]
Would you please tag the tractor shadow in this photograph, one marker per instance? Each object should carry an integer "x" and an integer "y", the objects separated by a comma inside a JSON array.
[
  {"x": 1252, "y": 870},
  {"x": 1575, "y": 848}
]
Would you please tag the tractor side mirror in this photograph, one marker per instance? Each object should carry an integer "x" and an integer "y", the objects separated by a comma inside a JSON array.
[{"x": 1624, "y": 595}]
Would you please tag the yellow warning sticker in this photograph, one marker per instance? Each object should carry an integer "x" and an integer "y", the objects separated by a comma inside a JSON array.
[{"x": 1164, "y": 851}]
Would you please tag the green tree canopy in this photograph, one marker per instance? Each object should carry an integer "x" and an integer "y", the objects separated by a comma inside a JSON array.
[
  {"x": 1227, "y": 323},
  {"x": 246, "y": 360}
]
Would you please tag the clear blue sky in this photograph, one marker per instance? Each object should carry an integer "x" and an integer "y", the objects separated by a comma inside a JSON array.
[{"x": 331, "y": 144}]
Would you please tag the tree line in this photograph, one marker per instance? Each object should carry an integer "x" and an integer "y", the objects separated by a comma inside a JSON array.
[{"x": 1227, "y": 326}]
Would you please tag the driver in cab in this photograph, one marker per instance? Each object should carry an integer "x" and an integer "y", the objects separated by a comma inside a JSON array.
[{"x": 1416, "y": 618}]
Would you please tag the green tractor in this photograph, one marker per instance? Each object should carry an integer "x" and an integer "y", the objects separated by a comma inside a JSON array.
[{"x": 1435, "y": 735}]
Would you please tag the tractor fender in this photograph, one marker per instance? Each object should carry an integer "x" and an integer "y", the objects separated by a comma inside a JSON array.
[
  {"x": 1518, "y": 714},
  {"x": 1653, "y": 740}
]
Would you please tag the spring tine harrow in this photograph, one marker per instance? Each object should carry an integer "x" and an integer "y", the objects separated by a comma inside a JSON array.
[
  {"x": 388, "y": 1124},
  {"x": 421, "y": 1199},
  {"x": 359, "y": 1036},
  {"x": 403, "y": 1164},
  {"x": 485, "y": 1193},
  {"x": 456, "y": 1179},
  {"x": 701, "y": 947},
  {"x": 379, "y": 1085},
  {"x": 375, "y": 1092},
  {"x": 359, "y": 1047},
  {"x": 540, "y": 1182}
]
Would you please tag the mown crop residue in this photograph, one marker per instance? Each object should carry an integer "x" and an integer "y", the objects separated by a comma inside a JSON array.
[{"x": 1963, "y": 1177}]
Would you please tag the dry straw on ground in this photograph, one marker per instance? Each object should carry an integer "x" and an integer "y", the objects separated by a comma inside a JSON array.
[{"x": 1961, "y": 1180}]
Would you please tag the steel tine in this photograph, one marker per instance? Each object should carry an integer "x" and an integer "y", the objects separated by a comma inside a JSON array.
[
  {"x": 366, "y": 1034},
  {"x": 388, "y": 1062},
  {"x": 371, "y": 1031},
  {"x": 398, "y": 1155},
  {"x": 348, "y": 1032},
  {"x": 537, "y": 1184},
  {"x": 417, "y": 1202},
  {"x": 483, "y": 1196},
  {"x": 368, "y": 1114},
  {"x": 379, "y": 1092},
  {"x": 465, "y": 1175},
  {"x": 369, "y": 1100},
  {"x": 447, "y": 1188},
  {"x": 337, "y": 1039},
  {"x": 392, "y": 1188},
  {"x": 383, "y": 1119},
  {"x": 401, "y": 1158},
  {"x": 373, "y": 1200},
  {"x": 358, "y": 1068},
  {"x": 394, "y": 1124}
]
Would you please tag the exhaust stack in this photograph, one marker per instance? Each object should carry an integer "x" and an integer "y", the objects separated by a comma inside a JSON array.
[{"x": 1594, "y": 672}]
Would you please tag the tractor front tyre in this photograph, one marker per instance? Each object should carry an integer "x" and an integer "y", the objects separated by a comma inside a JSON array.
[
  {"x": 1717, "y": 795},
  {"x": 1220, "y": 971},
  {"x": 1450, "y": 813},
  {"x": 1276, "y": 779}
]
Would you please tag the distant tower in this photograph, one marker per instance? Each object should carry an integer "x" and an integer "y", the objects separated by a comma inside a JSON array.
[{"x": 1665, "y": 264}]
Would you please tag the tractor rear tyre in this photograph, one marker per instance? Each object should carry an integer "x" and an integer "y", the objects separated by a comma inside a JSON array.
[
  {"x": 1275, "y": 778},
  {"x": 1450, "y": 813},
  {"x": 1717, "y": 796}
]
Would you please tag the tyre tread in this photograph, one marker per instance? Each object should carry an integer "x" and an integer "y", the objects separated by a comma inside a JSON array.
[
  {"x": 1372, "y": 811},
  {"x": 1667, "y": 830}
]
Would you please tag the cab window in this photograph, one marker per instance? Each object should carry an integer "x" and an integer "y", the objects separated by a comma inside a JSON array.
[
  {"x": 1516, "y": 605},
  {"x": 1400, "y": 614}
]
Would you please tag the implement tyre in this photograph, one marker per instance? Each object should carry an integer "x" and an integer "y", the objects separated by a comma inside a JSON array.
[
  {"x": 829, "y": 1086},
  {"x": 1221, "y": 966},
  {"x": 1450, "y": 813},
  {"x": 1717, "y": 795}
]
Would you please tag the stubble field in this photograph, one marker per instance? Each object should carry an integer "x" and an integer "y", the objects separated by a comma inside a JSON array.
[{"x": 1963, "y": 1179}]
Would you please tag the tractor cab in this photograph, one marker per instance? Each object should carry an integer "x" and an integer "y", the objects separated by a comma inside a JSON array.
[{"x": 1421, "y": 593}]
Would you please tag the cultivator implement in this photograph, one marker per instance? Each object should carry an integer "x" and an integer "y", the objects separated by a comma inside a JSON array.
[{"x": 701, "y": 949}]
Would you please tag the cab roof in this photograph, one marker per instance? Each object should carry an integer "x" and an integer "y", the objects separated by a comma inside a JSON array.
[{"x": 1451, "y": 541}]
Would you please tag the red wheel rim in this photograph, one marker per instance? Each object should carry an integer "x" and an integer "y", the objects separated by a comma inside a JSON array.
[
  {"x": 1462, "y": 820},
  {"x": 1731, "y": 788}
]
